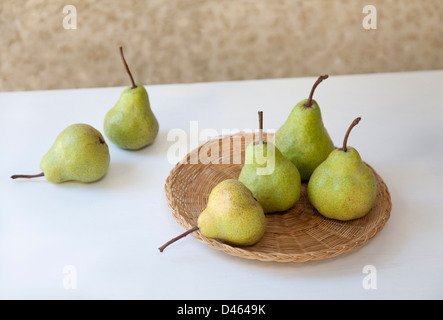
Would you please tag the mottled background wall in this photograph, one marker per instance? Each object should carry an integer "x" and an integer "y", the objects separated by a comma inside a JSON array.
[{"x": 177, "y": 41}]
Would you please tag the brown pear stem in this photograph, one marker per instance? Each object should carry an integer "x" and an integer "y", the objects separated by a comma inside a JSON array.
[
  {"x": 184, "y": 234},
  {"x": 260, "y": 126},
  {"x": 353, "y": 124},
  {"x": 127, "y": 69},
  {"x": 27, "y": 176},
  {"x": 308, "y": 103}
]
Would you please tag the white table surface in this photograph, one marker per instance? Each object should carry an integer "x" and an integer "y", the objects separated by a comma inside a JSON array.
[{"x": 110, "y": 231}]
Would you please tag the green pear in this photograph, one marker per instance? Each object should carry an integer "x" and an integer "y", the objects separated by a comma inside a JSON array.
[
  {"x": 343, "y": 187},
  {"x": 273, "y": 180},
  {"x": 131, "y": 124},
  {"x": 232, "y": 215},
  {"x": 79, "y": 153},
  {"x": 303, "y": 138}
]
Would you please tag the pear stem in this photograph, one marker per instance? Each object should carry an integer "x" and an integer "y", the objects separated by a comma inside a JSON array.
[
  {"x": 184, "y": 234},
  {"x": 308, "y": 103},
  {"x": 260, "y": 126},
  {"x": 353, "y": 124},
  {"x": 127, "y": 69},
  {"x": 27, "y": 176}
]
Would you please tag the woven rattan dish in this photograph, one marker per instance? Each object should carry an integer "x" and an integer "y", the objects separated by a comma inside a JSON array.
[{"x": 297, "y": 235}]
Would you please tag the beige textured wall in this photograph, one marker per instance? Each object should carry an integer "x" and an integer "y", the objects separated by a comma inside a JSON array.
[{"x": 177, "y": 41}]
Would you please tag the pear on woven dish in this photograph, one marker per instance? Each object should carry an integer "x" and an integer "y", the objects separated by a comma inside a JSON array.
[
  {"x": 343, "y": 187},
  {"x": 232, "y": 215},
  {"x": 273, "y": 180},
  {"x": 303, "y": 138}
]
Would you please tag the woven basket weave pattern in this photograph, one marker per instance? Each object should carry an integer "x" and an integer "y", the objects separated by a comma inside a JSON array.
[{"x": 296, "y": 235}]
